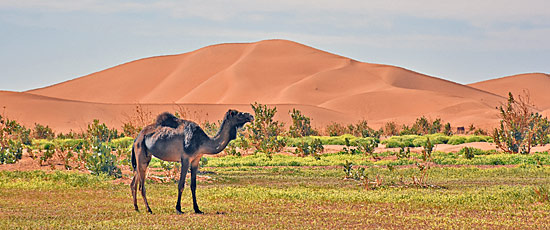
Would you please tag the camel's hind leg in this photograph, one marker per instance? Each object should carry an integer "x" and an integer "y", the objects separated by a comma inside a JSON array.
[
  {"x": 142, "y": 158},
  {"x": 142, "y": 171},
  {"x": 133, "y": 187}
]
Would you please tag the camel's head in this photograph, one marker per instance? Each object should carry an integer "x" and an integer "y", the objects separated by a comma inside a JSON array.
[{"x": 238, "y": 118}]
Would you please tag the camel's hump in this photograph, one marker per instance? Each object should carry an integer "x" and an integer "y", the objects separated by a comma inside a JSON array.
[{"x": 168, "y": 120}]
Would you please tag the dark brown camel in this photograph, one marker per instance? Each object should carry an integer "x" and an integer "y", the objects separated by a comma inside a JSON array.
[{"x": 178, "y": 140}]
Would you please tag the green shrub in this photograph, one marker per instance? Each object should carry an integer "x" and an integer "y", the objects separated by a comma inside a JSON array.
[
  {"x": 392, "y": 143},
  {"x": 326, "y": 140},
  {"x": 457, "y": 140},
  {"x": 42, "y": 132},
  {"x": 263, "y": 131},
  {"x": 11, "y": 152},
  {"x": 101, "y": 131},
  {"x": 306, "y": 149},
  {"x": 211, "y": 128},
  {"x": 476, "y": 138},
  {"x": 468, "y": 152},
  {"x": 13, "y": 137},
  {"x": 336, "y": 129},
  {"x": 367, "y": 146},
  {"x": 102, "y": 161},
  {"x": 123, "y": 142},
  {"x": 520, "y": 127},
  {"x": 301, "y": 125}
]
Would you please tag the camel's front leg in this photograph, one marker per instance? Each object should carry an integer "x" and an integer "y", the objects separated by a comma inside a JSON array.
[
  {"x": 194, "y": 170},
  {"x": 181, "y": 184}
]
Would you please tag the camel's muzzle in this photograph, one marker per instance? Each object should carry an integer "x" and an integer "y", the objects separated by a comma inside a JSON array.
[{"x": 249, "y": 118}]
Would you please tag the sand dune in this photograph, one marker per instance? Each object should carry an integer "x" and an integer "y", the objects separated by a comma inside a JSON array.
[
  {"x": 66, "y": 115},
  {"x": 536, "y": 85},
  {"x": 280, "y": 73}
]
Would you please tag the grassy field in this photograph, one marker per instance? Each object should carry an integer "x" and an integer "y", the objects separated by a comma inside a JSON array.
[{"x": 290, "y": 197}]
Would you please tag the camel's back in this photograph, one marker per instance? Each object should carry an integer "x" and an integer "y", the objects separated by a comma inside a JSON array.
[
  {"x": 168, "y": 120},
  {"x": 166, "y": 141}
]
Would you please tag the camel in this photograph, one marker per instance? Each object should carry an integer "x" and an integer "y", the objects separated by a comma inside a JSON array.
[{"x": 178, "y": 140}]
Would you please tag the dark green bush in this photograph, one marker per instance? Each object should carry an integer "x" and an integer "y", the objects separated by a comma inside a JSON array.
[
  {"x": 11, "y": 153},
  {"x": 314, "y": 149},
  {"x": 263, "y": 131},
  {"x": 520, "y": 127},
  {"x": 101, "y": 132},
  {"x": 42, "y": 132},
  {"x": 102, "y": 161},
  {"x": 301, "y": 125},
  {"x": 457, "y": 140}
]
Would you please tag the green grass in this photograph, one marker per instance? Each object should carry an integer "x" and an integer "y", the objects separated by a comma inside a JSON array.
[
  {"x": 283, "y": 197},
  {"x": 438, "y": 138}
]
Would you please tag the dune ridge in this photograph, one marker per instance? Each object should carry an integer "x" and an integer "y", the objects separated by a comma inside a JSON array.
[{"x": 536, "y": 85}]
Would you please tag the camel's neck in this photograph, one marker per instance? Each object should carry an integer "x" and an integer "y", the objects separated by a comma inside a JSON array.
[{"x": 217, "y": 143}]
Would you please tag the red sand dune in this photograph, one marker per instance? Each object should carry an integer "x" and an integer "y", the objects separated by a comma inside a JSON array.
[
  {"x": 280, "y": 73},
  {"x": 536, "y": 85}
]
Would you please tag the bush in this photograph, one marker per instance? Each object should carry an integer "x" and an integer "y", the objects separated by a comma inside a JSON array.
[
  {"x": 390, "y": 129},
  {"x": 314, "y": 149},
  {"x": 11, "y": 152},
  {"x": 102, "y": 161},
  {"x": 240, "y": 143},
  {"x": 135, "y": 122},
  {"x": 301, "y": 125},
  {"x": 43, "y": 132},
  {"x": 457, "y": 140},
  {"x": 336, "y": 129},
  {"x": 520, "y": 128},
  {"x": 101, "y": 131},
  {"x": 367, "y": 146},
  {"x": 263, "y": 131},
  {"x": 325, "y": 140},
  {"x": 468, "y": 152},
  {"x": 13, "y": 137}
]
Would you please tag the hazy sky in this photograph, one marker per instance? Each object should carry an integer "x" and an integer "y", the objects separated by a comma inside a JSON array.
[{"x": 44, "y": 42}]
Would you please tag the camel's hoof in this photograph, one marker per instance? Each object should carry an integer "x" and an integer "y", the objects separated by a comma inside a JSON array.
[
  {"x": 179, "y": 211},
  {"x": 198, "y": 212},
  {"x": 149, "y": 211}
]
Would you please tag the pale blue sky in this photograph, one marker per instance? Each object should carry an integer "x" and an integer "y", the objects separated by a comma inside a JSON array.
[{"x": 45, "y": 42}]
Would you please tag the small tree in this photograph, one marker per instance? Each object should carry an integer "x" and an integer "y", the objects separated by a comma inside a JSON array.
[
  {"x": 101, "y": 160},
  {"x": 101, "y": 131},
  {"x": 42, "y": 132},
  {"x": 447, "y": 129},
  {"x": 263, "y": 131},
  {"x": 391, "y": 129},
  {"x": 301, "y": 125},
  {"x": 520, "y": 128}
]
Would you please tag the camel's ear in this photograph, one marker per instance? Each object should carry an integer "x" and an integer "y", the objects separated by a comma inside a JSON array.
[{"x": 233, "y": 112}]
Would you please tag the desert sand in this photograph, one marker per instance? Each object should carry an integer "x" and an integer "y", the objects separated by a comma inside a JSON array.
[{"x": 324, "y": 86}]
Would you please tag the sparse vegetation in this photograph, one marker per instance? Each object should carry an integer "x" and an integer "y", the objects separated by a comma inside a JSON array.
[
  {"x": 520, "y": 127},
  {"x": 306, "y": 149},
  {"x": 263, "y": 131},
  {"x": 301, "y": 125},
  {"x": 402, "y": 182}
]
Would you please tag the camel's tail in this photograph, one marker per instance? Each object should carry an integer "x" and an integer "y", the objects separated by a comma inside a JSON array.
[{"x": 134, "y": 164}]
